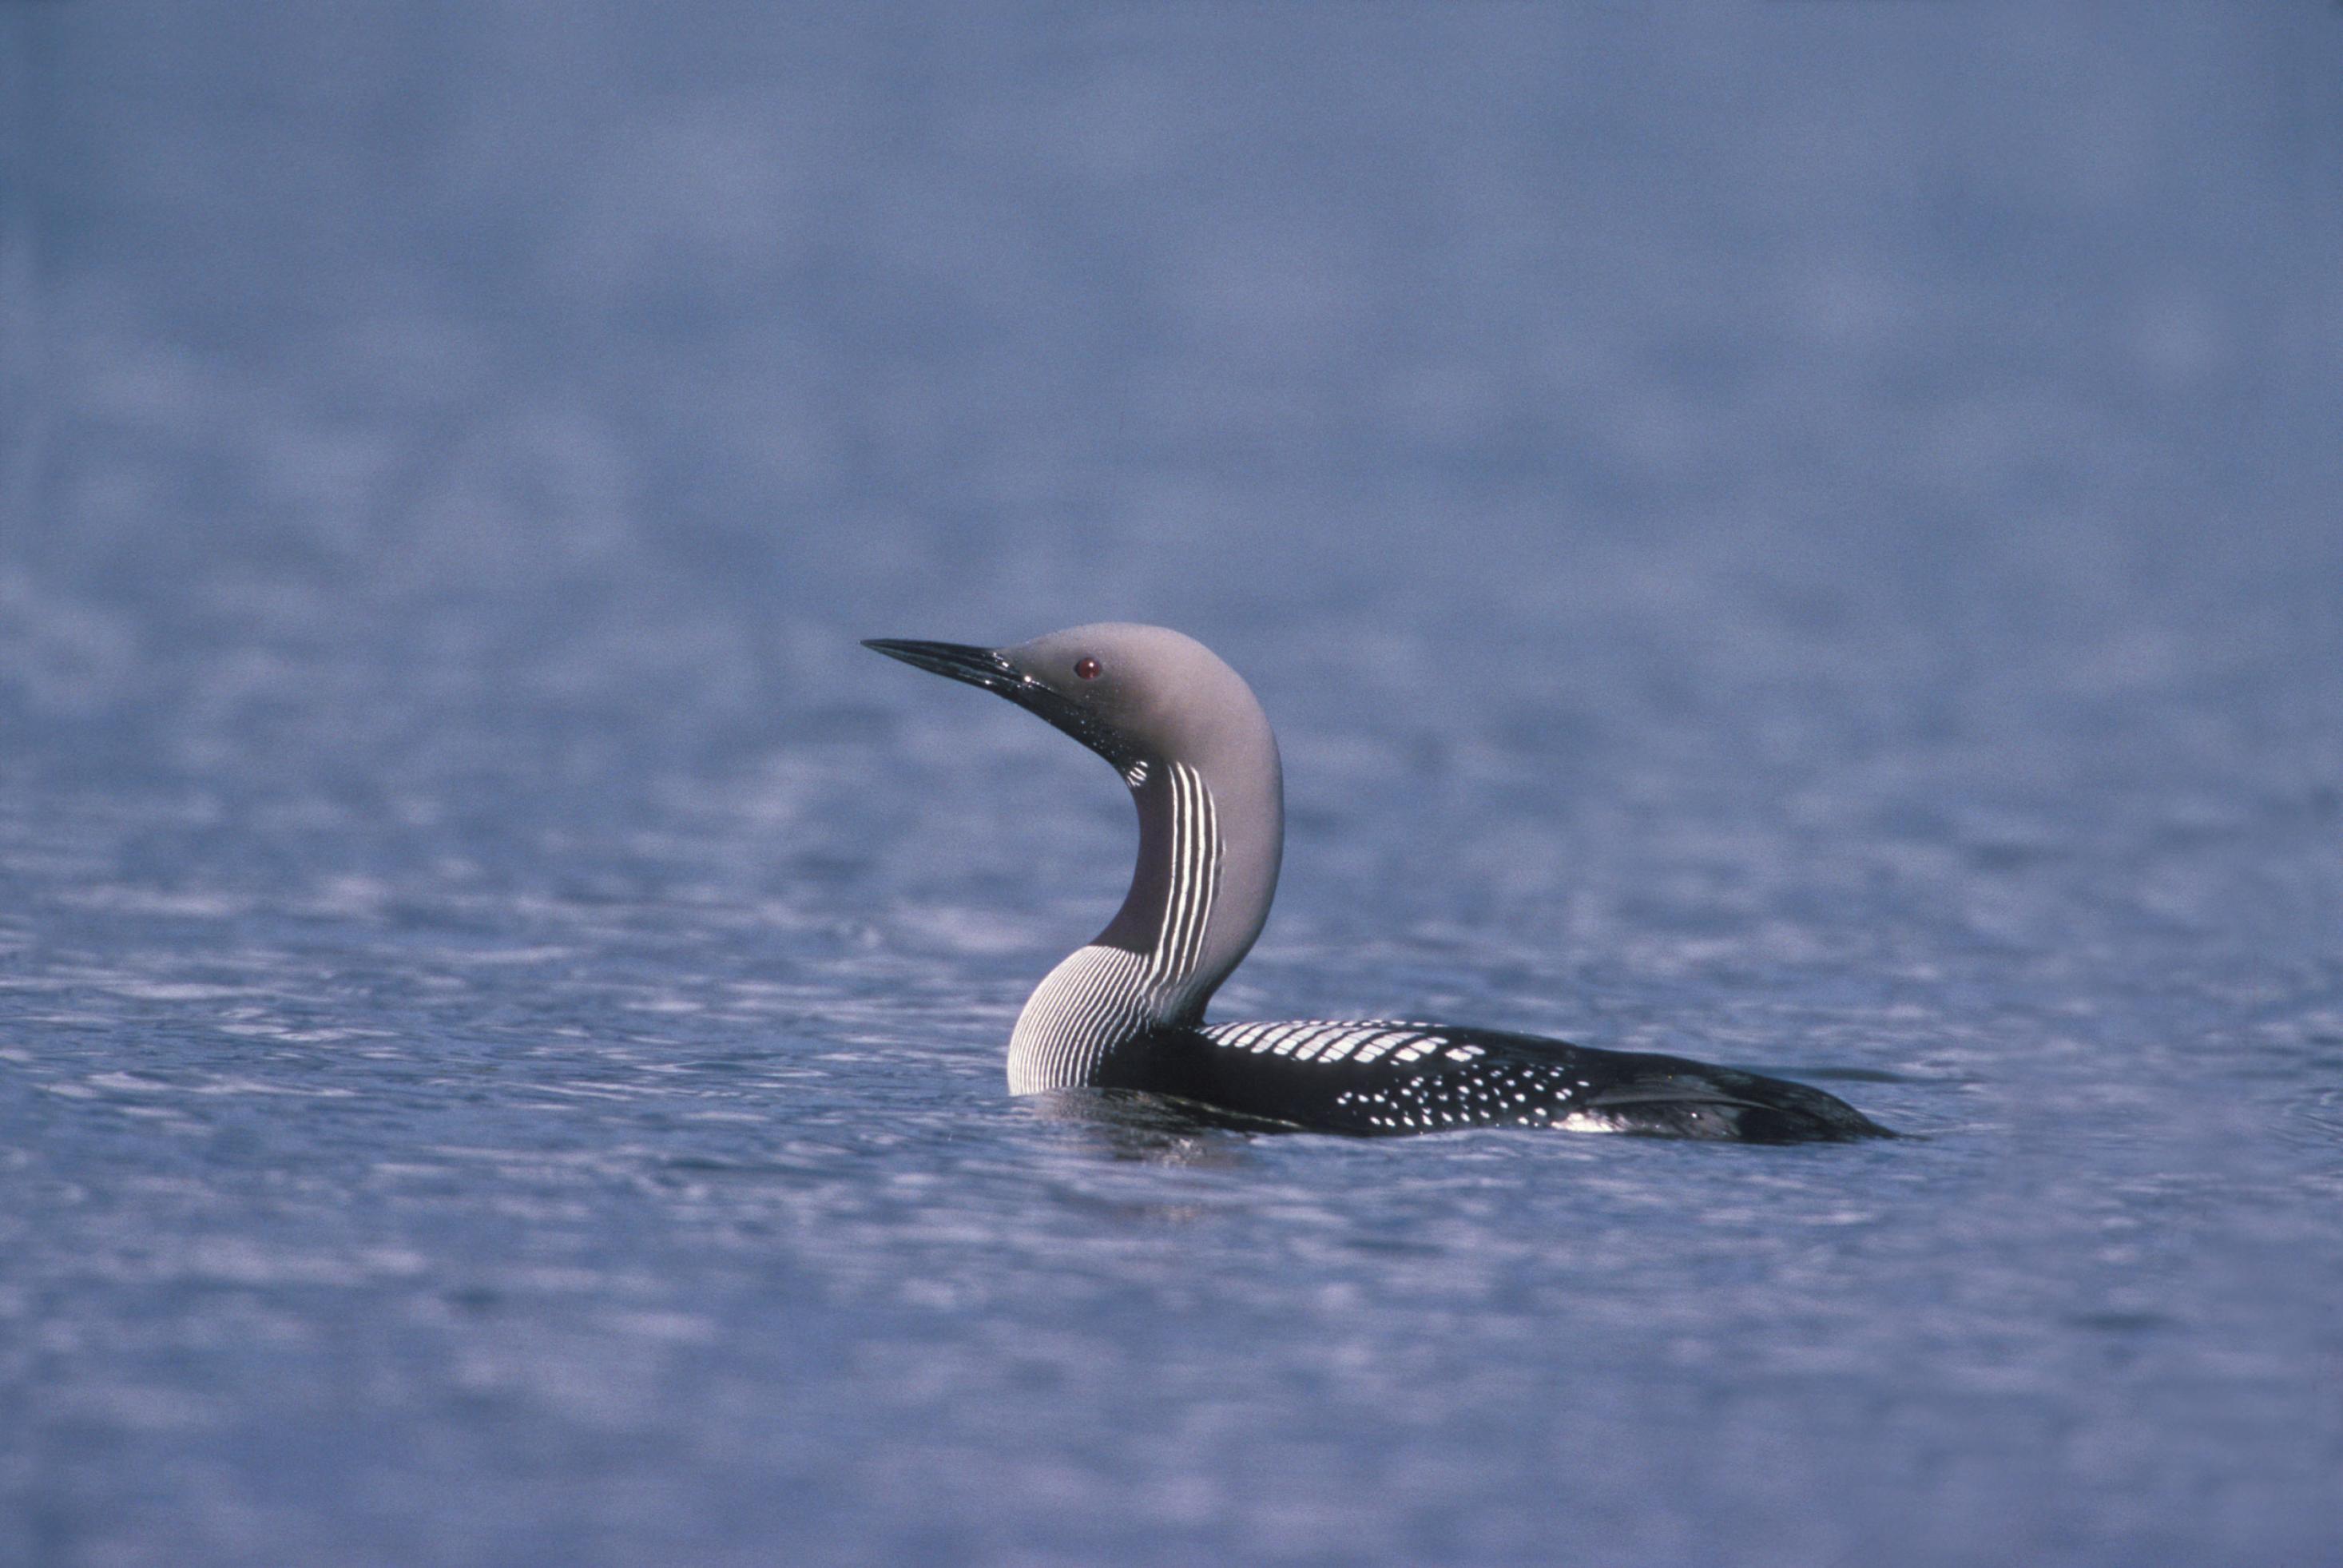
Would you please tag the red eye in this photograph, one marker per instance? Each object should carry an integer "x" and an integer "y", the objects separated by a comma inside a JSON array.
[{"x": 1087, "y": 668}]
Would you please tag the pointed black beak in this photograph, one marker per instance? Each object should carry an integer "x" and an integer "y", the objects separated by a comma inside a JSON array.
[
  {"x": 983, "y": 667},
  {"x": 976, "y": 666}
]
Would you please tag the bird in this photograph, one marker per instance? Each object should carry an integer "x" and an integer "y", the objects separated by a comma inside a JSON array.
[{"x": 1126, "y": 1010}]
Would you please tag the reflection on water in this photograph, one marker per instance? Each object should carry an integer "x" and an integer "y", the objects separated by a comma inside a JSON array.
[{"x": 1152, "y": 1128}]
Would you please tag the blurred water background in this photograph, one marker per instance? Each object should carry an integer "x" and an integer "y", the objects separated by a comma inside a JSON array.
[{"x": 1803, "y": 534}]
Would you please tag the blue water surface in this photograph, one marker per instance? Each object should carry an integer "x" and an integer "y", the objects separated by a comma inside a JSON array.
[{"x": 1802, "y": 535}]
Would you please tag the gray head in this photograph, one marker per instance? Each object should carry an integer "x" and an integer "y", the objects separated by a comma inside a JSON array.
[
  {"x": 1151, "y": 700},
  {"x": 1139, "y": 696}
]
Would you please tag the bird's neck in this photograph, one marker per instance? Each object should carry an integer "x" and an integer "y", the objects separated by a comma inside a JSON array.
[{"x": 1209, "y": 848}]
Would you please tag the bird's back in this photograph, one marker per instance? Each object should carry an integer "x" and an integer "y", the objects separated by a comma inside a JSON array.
[{"x": 1381, "y": 1076}]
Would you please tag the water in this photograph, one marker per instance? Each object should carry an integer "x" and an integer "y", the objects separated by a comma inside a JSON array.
[{"x": 1804, "y": 536}]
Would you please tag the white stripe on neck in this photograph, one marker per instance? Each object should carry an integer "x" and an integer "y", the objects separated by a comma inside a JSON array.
[{"x": 1101, "y": 997}]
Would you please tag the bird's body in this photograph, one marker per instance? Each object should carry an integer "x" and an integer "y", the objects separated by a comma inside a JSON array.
[{"x": 1126, "y": 1011}]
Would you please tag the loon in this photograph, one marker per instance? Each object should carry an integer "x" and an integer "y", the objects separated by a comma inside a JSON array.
[{"x": 1127, "y": 1010}]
